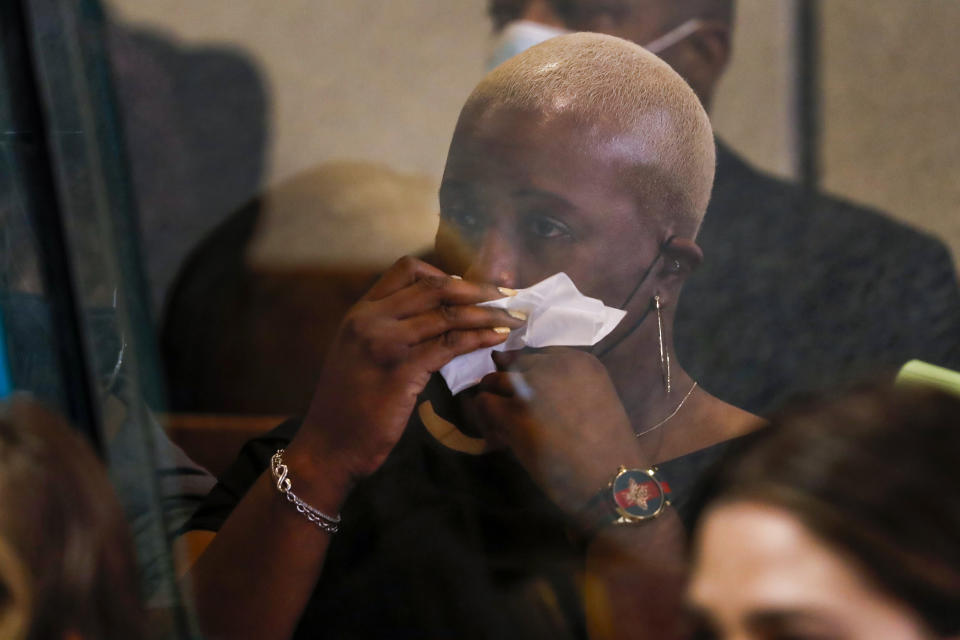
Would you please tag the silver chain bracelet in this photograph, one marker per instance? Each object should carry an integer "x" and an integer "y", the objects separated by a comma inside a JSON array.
[{"x": 330, "y": 524}]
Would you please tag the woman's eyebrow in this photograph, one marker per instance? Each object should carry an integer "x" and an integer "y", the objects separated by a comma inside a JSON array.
[{"x": 541, "y": 194}]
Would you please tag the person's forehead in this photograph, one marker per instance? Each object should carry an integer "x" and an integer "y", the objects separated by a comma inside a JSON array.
[
  {"x": 754, "y": 561},
  {"x": 593, "y": 169},
  {"x": 515, "y": 143},
  {"x": 506, "y": 125},
  {"x": 775, "y": 558},
  {"x": 565, "y": 136}
]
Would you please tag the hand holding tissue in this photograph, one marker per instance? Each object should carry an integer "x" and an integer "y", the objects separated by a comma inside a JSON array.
[{"x": 557, "y": 315}]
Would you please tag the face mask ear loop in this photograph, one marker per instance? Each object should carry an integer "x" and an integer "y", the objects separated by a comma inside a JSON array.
[
  {"x": 647, "y": 271},
  {"x": 640, "y": 320},
  {"x": 675, "y": 35}
]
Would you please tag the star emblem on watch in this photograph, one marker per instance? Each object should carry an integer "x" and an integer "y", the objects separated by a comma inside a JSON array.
[
  {"x": 632, "y": 496},
  {"x": 638, "y": 494},
  {"x": 635, "y": 494}
]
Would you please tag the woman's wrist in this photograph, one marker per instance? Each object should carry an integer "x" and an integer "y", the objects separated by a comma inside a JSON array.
[
  {"x": 654, "y": 536},
  {"x": 322, "y": 479},
  {"x": 632, "y": 495}
]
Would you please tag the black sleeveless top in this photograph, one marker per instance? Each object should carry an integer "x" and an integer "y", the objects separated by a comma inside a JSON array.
[{"x": 439, "y": 543}]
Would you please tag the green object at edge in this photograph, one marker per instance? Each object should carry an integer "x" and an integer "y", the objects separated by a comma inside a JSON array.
[{"x": 920, "y": 372}]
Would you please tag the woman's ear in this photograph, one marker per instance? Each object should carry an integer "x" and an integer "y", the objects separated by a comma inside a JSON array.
[
  {"x": 681, "y": 257},
  {"x": 702, "y": 58},
  {"x": 712, "y": 43}
]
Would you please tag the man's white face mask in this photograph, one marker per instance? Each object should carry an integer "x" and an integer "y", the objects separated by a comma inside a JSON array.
[{"x": 520, "y": 35}]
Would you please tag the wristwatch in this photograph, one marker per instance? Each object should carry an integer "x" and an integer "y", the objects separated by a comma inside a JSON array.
[{"x": 631, "y": 497}]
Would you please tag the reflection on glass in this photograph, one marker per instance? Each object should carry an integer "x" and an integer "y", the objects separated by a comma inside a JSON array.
[{"x": 97, "y": 287}]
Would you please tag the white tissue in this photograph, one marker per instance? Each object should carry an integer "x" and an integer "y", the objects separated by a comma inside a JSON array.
[{"x": 557, "y": 315}]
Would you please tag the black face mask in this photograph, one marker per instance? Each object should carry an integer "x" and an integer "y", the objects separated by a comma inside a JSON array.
[{"x": 643, "y": 278}]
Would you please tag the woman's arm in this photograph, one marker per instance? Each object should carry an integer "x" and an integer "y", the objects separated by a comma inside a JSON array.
[
  {"x": 635, "y": 579},
  {"x": 558, "y": 411},
  {"x": 255, "y": 577}
]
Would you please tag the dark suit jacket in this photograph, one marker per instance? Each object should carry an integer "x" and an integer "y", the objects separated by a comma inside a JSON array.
[{"x": 802, "y": 293}]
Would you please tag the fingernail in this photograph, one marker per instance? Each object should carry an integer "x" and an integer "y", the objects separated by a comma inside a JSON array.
[
  {"x": 457, "y": 277},
  {"x": 502, "y": 330},
  {"x": 519, "y": 315},
  {"x": 506, "y": 291}
]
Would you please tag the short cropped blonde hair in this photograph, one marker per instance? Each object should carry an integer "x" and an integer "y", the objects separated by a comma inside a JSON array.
[{"x": 627, "y": 92}]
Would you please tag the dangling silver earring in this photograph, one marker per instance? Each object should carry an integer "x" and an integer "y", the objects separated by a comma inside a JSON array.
[{"x": 664, "y": 354}]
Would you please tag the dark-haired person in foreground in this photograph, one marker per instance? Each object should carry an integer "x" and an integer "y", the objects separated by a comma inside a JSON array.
[
  {"x": 798, "y": 292},
  {"x": 842, "y": 520},
  {"x": 67, "y": 565},
  {"x": 491, "y": 515}
]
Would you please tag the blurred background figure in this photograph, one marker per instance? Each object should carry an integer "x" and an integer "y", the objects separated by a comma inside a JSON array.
[
  {"x": 263, "y": 294},
  {"x": 195, "y": 119},
  {"x": 520, "y": 24},
  {"x": 503, "y": 12},
  {"x": 840, "y": 521},
  {"x": 67, "y": 568}
]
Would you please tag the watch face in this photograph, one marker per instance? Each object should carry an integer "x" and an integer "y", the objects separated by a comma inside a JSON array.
[{"x": 637, "y": 495}]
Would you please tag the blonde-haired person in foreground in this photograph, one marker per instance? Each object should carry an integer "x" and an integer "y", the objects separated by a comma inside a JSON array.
[
  {"x": 67, "y": 568},
  {"x": 491, "y": 514}
]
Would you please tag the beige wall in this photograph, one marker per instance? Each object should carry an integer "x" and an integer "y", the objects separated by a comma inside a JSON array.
[
  {"x": 349, "y": 79},
  {"x": 753, "y": 109},
  {"x": 891, "y": 99},
  {"x": 382, "y": 82}
]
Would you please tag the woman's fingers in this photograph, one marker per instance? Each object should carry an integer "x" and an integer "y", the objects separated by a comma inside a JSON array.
[
  {"x": 431, "y": 291},
  {"x": 420, "y": 277},
  {"x": 420, "y": 316},
  {"x": 439, "y": 320},
  {"x": 403, "y": 273}
]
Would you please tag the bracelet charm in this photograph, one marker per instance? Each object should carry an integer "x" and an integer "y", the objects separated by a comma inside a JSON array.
[{"x": 280, "y": 471}]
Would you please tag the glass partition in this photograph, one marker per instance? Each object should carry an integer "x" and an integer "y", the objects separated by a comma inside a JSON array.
[
  {"x": 78, "y": 335},
  {"x": 192, "y": 195}
]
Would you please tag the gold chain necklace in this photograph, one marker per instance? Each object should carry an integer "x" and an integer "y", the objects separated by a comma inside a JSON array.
[{"x": 672, "y": 413}]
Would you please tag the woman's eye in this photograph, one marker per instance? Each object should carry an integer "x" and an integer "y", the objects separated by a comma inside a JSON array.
[
  {"x": 462, "y": 218},
  {"x": 544, "y": 227}
]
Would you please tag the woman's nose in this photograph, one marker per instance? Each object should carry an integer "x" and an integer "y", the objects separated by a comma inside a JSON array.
[{"x": 495, "y": 260}]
